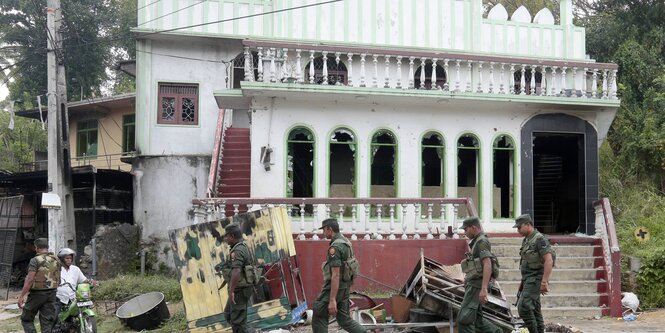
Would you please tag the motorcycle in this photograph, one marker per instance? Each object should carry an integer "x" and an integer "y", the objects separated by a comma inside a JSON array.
[{"x": 77, "y": 316}]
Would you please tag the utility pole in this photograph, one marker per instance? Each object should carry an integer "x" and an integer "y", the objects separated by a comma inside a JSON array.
[{"x": 61, "y": 226}]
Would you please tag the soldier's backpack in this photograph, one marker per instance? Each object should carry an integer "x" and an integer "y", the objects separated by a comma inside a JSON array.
[{"x": 351, "y": 267}]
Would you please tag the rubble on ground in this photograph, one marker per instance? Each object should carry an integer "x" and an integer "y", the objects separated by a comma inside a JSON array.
[{"x": 117, "y": 247}]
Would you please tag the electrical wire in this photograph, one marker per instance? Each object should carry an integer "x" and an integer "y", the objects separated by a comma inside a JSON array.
[
  {"x": 130, "y": 35},
  {"x": 171, "y": 13}
]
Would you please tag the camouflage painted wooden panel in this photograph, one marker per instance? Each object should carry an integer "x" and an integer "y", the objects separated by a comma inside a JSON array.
[{"x": 199, "y": 248}]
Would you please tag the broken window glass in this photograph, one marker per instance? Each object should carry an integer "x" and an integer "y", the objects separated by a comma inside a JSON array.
[
  {"x": 468, "y": 170},
  {"x": 300, "y": 165},
  {"x": 432, "y": 170},
  {"x": 503, "y": 174}
]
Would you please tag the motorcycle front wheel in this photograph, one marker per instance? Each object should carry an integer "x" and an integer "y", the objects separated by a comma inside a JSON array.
[{"x": 89, "y": 325}]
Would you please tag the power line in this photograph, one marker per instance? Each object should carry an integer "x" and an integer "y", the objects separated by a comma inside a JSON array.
[
  {"x": 128, "y": 35},
  {"x": 171, "y": 13},
  {"x": 241, "y": 17},
  {"x": 183, "y": 57},
  {"x": 152, "y": 3}
]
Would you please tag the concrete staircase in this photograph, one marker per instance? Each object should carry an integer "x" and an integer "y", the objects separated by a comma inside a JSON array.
[
  {"x": 234, "y": 173},
  {"x": 575, "y": 281}
]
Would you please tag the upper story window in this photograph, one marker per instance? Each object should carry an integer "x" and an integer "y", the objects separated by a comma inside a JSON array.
[
  {"x": 238, "y": 70},
  {"x": 440, "y": 78},
  {"x": 178, "y": 104},
  {"x": 86, "y": 138},
  {"x": 336, "y": 71},
  {"x": 128, "y": 133}
]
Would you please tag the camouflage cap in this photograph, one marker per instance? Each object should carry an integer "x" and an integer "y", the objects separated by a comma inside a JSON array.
[
  {"x": 41, "y": 243},
  {"x": 470, "y": 221},
  {"x": 523, "y": 219}
]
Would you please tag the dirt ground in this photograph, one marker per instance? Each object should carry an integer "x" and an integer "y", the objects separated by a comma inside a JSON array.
[{"x": 647, "y": 322}]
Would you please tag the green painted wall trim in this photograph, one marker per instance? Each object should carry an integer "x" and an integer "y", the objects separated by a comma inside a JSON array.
[
  {"x": 396, "y": 174},
  {"x": 250, "y": 87},
  {"x": 356, "y": 157},
  {"x": 314, "y": 157},
  {"x": 479, "y": 162},
  {"x": 516, "y": 178}
]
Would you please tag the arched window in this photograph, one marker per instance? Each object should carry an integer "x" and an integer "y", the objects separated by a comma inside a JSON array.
[
  {"x": 440, "y": 76},
  {"x": 383, "y": 180},
  {"x": 432, "y": 172},
  {"x": 342, "y": 164},
  {"x": 468, "y": 170},
  {"x": 300, "y": 163},
  {"x": 503, "y": 174},
  {"x": 237, "y": 73},
  {"x": 337, "y": 73}
]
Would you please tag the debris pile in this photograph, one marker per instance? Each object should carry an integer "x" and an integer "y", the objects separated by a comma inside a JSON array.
[{"x": 439, "y": 289}]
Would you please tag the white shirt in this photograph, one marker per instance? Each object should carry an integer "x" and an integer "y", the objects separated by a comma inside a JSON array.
[{"x": 74, "y": 276}]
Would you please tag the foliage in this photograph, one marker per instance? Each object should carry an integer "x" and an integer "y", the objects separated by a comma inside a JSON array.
[
  {"x": 16, "y": 146},
  {"x": 124, "y": 286},
  {"x": 632, "y": 34},
  {"x": 95, "y": 36},
  {"x": 651, "y": 280}
]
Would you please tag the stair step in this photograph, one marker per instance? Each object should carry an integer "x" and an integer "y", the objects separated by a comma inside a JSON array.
[
  {"x": 234, "y": 195},
  {"x": 234, "y": 181},
  {"x": 234, "y": 189},
  {"x": 561, "y": 262},
  {"x": 237, "y": 145},
  {"x": 236, "y": 138},
  {"x": 570, "y": 312},
  {"x": 561, "y": 250},
  {"x": 238, "y": 129},
  {"x": 557, "y": 287},
  {"x": 237, "y": 159},
  {"x": 234, "y": 174},
  {"x": 558, "y": 300},
  {"x": 562, "y": 274},
  {"x": 236, "y": 153},
  {"x": 234, "y": 166}
]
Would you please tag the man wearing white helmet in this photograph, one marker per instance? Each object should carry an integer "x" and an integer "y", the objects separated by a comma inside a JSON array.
[{"x": 71, "y": 274}]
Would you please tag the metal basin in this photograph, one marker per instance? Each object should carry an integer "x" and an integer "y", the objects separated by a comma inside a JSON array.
[{"x": 145, "y": 311}]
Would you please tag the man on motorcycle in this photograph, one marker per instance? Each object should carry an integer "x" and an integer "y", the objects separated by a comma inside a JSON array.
[{"x": 71, "y": 274}]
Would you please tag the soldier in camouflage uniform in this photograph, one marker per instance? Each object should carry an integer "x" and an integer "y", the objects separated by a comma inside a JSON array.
[
  {"x": 239, "y": 288},
  {"x": 324, "y": 306},
  {"x": 41, "y": 283},
  {"x": 478, "y": 269},
  {"x": 536, "y": 261}
]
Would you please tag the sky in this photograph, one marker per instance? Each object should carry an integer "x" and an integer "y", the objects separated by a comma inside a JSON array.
[{"x": 3, "y": 92}]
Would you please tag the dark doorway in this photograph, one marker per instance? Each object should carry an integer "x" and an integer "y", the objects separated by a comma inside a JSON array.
[{"x": 558, "y": 182}]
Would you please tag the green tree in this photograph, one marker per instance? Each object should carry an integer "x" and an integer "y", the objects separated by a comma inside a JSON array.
[
  {"x": 631, "y": 33},
  {"x": 95, "y": 35}
]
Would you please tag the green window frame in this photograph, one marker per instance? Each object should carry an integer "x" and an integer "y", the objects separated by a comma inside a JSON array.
[
  {"x": 86, "y": 138},
  {"x": 432, "y": 146},
  {"x": 468, "y": 150},
  {"x": 338, "y": 170},
  {"x": 504, "y": 177},
  {"x": 382, "y": 142},
  {"x": 129, "y": 133},
  {"x": 300, "y": 141}
]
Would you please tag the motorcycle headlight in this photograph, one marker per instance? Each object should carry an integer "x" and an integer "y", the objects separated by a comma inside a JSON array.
[{"x": 83, "y": 291}]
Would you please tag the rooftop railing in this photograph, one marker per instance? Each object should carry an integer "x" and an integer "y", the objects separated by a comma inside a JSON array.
[{"x": 445, "y": 72}]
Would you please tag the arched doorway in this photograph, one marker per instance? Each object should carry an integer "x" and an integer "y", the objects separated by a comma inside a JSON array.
[{"x": 559, "y": 173}]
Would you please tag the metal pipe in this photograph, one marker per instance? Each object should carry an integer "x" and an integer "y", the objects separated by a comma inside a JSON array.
[{"x": 94, "y": 222}]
